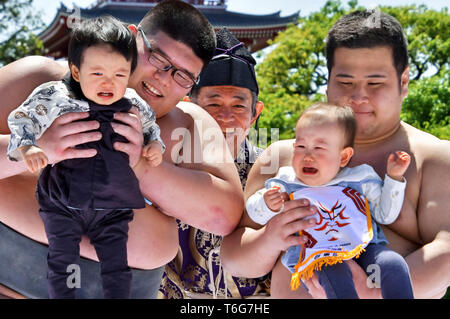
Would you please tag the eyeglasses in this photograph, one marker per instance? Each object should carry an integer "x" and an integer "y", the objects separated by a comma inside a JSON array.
[{"x": 182, "y": 78}]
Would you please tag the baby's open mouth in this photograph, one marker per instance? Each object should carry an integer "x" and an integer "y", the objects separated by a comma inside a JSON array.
[
  {"x": 309, "y": 170},
  {"x": 105, "y": 94}
]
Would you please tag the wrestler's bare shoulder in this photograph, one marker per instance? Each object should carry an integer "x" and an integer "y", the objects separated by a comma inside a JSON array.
[
  {"x": 19, "y": 78},
  {"x": 182, "y": 115},
  {"x": 196, "y": 113},
  {"x": 184, "y": 121},
  {"x": 425, "y": 145},
  {"x": 39, "y": 66}
]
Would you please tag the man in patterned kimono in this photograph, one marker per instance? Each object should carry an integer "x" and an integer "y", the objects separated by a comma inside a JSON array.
[{"x": 228, "y": 92}]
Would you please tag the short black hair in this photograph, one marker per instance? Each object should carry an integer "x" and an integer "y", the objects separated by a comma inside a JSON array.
[
  {"x": 184, "y": 23},
  {"x": 102, "y": 30},
  {"x": 368, "y": 29}
]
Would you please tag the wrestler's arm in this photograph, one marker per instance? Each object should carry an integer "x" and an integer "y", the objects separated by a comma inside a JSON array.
[
  {"x": 430, "y": 265},
  {"x": 203, "y": 188},
  {"x": 251, "y": 250}
]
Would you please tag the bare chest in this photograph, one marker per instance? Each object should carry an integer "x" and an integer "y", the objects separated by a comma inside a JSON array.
[
  {"x": 404, "y": 235},
  {"x": 176, "y": 136}
]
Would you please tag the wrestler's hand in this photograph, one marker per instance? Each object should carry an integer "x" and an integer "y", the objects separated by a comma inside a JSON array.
[
  {"x": 131, "y": 129},
  {"x": 59, "y": 140},
  {"x": 315, "y": 289},
  {"x": 398, "y": 164},
  {"x": 360, "y": 281},
  {"x": 281, "y": 231}
]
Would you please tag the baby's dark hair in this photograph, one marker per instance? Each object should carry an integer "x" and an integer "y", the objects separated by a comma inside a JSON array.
[
  {"x": 343, "y": 116},
  {"x": 102, "y": 30}
]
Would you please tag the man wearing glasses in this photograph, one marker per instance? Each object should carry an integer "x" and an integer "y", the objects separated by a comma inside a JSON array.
[
  {"x": 174, "y": 42},
  {"x": 158, "y": 59}
]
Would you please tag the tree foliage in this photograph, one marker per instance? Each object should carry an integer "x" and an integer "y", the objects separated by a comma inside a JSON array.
[
  {"x": 428, "y": 105},
  {"x": 18, "y": 24},
  {"x": 294, "y": 74}
]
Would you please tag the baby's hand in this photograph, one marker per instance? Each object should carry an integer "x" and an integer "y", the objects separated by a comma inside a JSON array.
[
  {"x": 34, "y": 157},
  {"x": 275, "y": 199},
  {"x": 397, "y": 165},
  {"x": 153, "y": 153}
]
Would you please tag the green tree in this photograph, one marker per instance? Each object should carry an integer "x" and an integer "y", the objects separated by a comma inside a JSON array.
[
  {"x": 294, "y": 74},
  {"x": 427, "y": 32},
  {"x": 428, "y": 105},
  {"x": 18, "y": 24}
]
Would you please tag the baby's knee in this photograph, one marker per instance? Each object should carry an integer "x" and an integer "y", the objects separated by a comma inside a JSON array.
[{"x": 392, "y": 264}]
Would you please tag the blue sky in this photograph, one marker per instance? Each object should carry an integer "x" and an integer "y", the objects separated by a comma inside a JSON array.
[{"x": 286, "y": 7}]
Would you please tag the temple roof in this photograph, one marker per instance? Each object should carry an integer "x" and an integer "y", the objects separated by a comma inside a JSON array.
[
  {"x": 217, "y": 17},
  {"x": 253, "y": 30}
]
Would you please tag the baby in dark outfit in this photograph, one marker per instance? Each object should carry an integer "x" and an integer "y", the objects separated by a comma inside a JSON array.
[{"x": 93, "y": 196}]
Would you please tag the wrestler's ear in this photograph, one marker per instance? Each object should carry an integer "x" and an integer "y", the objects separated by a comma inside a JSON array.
[
  {"x": 346, "y": 155},
  {"x": 258, "y": 107},
  {"x": 404, "y": 82},
  {"x": 75, "y": 72}
]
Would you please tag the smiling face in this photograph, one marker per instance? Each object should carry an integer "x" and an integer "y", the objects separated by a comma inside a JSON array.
[
  {"x": 366, "y": 80},
  {"x": 103, "y": 74},
  {"x": 231, "y": 107},
  {"x": 157, "y": 87},
  {"x": 319, "y": 151}
]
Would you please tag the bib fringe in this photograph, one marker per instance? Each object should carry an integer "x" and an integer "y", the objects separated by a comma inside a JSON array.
[{"x": 319, "y": 263}]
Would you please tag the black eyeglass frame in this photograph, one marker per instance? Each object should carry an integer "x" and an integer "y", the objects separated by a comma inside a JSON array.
[{"x": 169, "y": 66}]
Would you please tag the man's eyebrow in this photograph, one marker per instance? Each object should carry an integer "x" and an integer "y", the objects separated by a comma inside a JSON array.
[
  {"x": 344, "y": 75},
  {"x": 214, "y": 95},
  {"x": 375, "y": 75},
  {"x": 240, "y": 97},
  {"x": 157, "y": 49}
]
